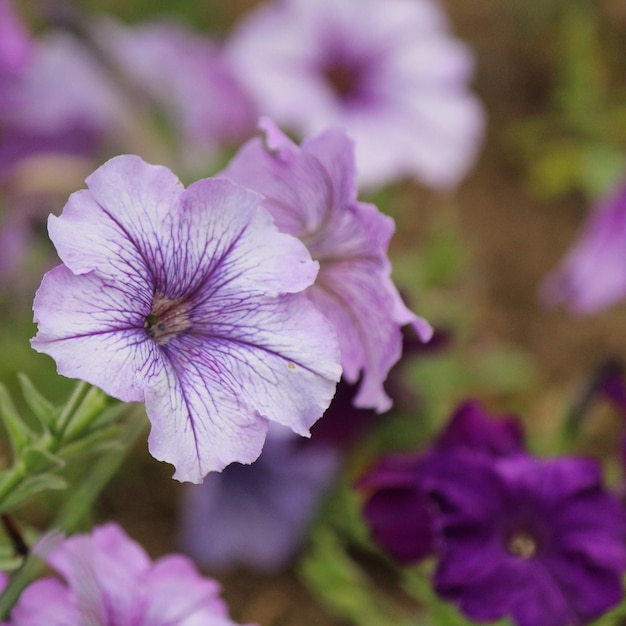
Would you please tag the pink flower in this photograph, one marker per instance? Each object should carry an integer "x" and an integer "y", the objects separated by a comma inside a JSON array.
[{"x": 109, "y": 579}]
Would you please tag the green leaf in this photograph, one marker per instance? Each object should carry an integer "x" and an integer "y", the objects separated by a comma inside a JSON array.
[
  {"x": 30, "y": 487},
  {"x": 99, "y": 441},
  {"x": 38, "y": 460},
  {"x": 342, "y": 586},
  {"x": 9, "y": 562},
  {"x": 87, "y": 422},
  {"x": 42, "y": 409},
  {"x": 19, "y": 433}
]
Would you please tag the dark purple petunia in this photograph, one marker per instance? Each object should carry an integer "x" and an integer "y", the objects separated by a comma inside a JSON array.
[
  {"x": 540, "y": 541},
  {"x": 402, "y": 518},
  {"x": 472, "y": 429},
  {"x": 400, "y": 511}
]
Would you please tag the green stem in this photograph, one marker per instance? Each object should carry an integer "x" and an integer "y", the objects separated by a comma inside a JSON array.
[{"x": 75, "y": 509}]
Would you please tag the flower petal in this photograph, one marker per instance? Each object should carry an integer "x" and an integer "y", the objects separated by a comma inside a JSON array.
[
  {"x": 87, "y": 325},
  {"x": 261, "y": 361}
]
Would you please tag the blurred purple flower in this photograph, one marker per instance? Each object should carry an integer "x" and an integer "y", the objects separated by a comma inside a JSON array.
[
  {"x": 471, "y": 429},
  {"x": 537, "y": 540},
  {"x": 399, "y": 509},
  {"x": 387, "y": 70},
  {"x": 257, "y": 515},
  {"x": 311, "y": 193},
  {"x": 402, "y": 518},
  {"x": 187, "y": 300},
  {"x": 109, "y": 579},
  {"x": 592, "y": 276},
  {"x": 185, "y": 77},
  {"x": 15, "y": 50}
]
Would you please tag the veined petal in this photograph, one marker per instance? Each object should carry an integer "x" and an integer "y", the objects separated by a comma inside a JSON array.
[
  {"x": 124, "y": 219},
  {"x": 231, "y": 243},
  {"x": 256, "y": 361},
  {"x": 298, "y": 208},
  {"x": 87, "y": 325}
]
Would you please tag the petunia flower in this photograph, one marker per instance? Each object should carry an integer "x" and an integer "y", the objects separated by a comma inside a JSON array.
[
  {"x": 592, "y": 276},
  {"x": 399, "y": 507},
  {"x": 537, "y": 540},
  {"x": 258, "y": 515},
  {"x": 401, "y": 516},
  {"x": 187, "y": 300},
  {"x": 109, "y": 580},
  {"x": 311, "y": 193},
  {"x": 389, "y": 71}
]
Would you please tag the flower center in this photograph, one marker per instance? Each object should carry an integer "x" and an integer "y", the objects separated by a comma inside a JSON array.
[
  {"x": 522, "y": 545},
  {"x": 346, "y": 78},
  {"x": 167, "y": 319}
]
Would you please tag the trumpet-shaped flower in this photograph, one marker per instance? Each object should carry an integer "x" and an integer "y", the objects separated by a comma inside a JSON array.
[
  {"x": 190, "y": 301},
  {"x": 387, "y": 70},
  {"x": 110, "y": 580},
  {"x": 311, "y": 193},
  {"x": 538, "y": 540}
]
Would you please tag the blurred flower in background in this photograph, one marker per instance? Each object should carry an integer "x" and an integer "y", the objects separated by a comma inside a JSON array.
[
  {"x": 539, "y": 540},
  {"x": 310, "y": 191},
  {"x": 109, "y": 579},
  {"x": 399, "y": 509},
  {"x": 185, "y": 79},
  {"x": 592, "y": 276},
  {"x": 258, "y": 515},
  {"x": 388, "y": 71}
]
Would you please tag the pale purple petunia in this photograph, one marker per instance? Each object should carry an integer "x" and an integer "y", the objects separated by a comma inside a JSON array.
[
  {"x": 388, "y": 71},
  {"x": 187, "y": 300},
  {"x": 592, "y": 276},
  {"x": 109, "y": 580},
  {"x": 311, "y": 193}
]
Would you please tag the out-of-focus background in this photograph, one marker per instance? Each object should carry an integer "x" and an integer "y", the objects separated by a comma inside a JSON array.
[{"x": 552, "y": 77}]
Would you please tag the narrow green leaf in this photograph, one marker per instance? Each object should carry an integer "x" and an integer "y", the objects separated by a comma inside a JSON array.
[
  {"x": 37, "y": 460},
  {"x": 344, "y": 587},
  {"x": 42, "y": 408},
  {"x": 19, "y": 433},
  {"x": 88, "y": 423},
  {"x": 96, "y": 442},
  {"x": 30, "y": 487}
]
